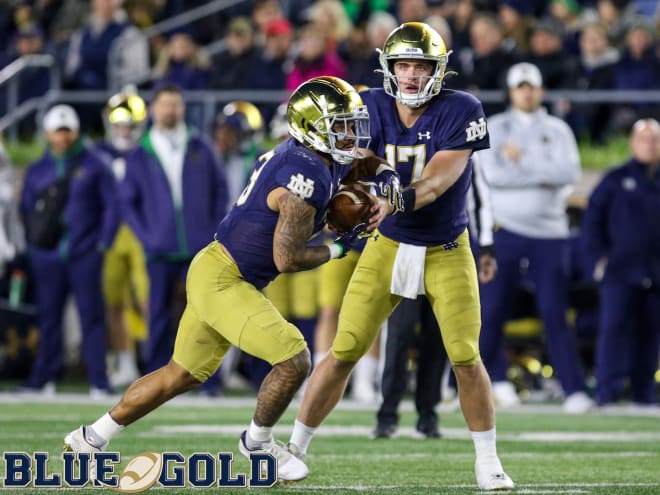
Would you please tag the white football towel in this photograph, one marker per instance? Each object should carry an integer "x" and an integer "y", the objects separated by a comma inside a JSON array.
[{"x": 408, "y": 271}]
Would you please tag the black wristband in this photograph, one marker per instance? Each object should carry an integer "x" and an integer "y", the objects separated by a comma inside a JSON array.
[{"x": 408, "y": 197}]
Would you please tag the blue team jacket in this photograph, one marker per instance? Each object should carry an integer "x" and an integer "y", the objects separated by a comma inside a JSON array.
[
  {"x": 622, "y": 222},
  {"x": 90, "y": 216},
  {"x": 168, "y": 232}
]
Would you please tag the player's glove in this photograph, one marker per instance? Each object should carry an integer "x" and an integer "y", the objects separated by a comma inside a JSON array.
[
  {"x": 343, "y": 244},
  {"x": 387, "y": 182}
]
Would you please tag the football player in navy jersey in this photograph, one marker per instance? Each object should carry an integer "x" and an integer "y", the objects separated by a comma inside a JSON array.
[
  {"x": 265, "y": 233},
  {"x": 428, "y": 134}
]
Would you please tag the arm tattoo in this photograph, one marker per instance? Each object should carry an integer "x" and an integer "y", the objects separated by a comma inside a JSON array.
[{"x": 293, "y": 229}]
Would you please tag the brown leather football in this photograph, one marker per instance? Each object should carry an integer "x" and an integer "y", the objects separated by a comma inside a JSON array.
[{"x": 348, "y": 208}]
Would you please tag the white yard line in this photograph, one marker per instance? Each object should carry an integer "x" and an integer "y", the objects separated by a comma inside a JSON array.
[
  {"x": 407, "y": 431},
  {"x": 345, "y": 405}
]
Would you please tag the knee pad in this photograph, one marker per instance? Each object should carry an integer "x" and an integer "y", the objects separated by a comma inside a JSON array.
[
  {"x": 349, "y": 346},
  {"x": 463, "y": 353}
]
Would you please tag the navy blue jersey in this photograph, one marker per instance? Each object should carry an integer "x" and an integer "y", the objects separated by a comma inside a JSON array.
[
  {"x": 248, "y": 229},
  {"x": 453, "y": 120}
]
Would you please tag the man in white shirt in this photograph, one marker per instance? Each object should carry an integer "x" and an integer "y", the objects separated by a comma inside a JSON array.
[{"x": 531, "y": 165}]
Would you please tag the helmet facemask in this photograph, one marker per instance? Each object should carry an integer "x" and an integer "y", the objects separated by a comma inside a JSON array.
[
  {"x": 336, "y": 124},
  {"x": 344, "y": 134},
  {"x": 414, "y": 42},
  {"x": 426, "y": 90}
]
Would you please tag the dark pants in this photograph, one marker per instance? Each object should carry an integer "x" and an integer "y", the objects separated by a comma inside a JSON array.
[
  {"x": 166, "y": 279},
  {"x": 548, "y": 268},
  {"x": 54, "y": 279},
  {"x": 628, "y": 343},
  {"x": 431, "y": 360}
]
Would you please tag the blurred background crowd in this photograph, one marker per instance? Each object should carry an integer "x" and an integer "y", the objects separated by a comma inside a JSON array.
[{"x": 221, "y": 69}]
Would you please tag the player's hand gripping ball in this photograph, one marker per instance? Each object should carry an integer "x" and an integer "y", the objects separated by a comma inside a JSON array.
[{"x": 348, "y": 208}]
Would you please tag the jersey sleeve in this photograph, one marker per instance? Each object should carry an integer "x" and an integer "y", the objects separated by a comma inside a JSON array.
[
  {"x": 303, "y": 177},
  {"x": 467, "y": 128}
]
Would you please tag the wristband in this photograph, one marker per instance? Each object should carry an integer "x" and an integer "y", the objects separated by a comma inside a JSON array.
[
  {"x": 336, "y": 250},
  {"x": 407, "y": 199}
]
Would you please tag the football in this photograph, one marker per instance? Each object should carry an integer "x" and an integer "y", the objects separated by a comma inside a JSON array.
[
  {"x": 141, "y": 472},
  {"x": 348, "y": 208}
]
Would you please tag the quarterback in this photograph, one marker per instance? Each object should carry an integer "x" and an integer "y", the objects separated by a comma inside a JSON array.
[
  {"x": 265, "y": 233},
  {"x": 428, "y": 134}
]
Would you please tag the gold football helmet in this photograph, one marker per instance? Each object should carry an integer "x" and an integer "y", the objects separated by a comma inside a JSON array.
[
  {"x": 327, "y": 115},
  {"x": 414, "y": 41},
  {"x": 125, "y": 118},
  {"x": 243, "y": 115}
]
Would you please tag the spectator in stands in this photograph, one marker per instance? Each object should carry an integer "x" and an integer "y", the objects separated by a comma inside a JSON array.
[
  {"x": 182, "y": 63},
  {"x": 264, "y": 13},
  {"x": 125, "y": 280},
  {"x": 411, "y": 10},
  {"x": 329, "y": 17},
  {"x": 60, "y": 19},
  {"x": 460, "y": 22},
  {"x": 532, "y": 161},
  {"x": 622, "y": 231},
  {"x": 172, "y": 196},
  {"x": 484, "y": 65},
  {"x": 32, "y": 82},
  {"x": 363, "y": 62},
  {"x": 567, "y": 12},
  {"x": 517, "y": 19},
  {"x": 616, "y": 16},
  {"x": 638, "y": 68},
  {"x": 314, "y": 59},
  {"x": 231, "y": 68},
  {"x": 274, "y": 62},
  {"x": 107, "y": 53},
  {"x": 596, "y": 66},
  {"x": 68, "y": 259},
  {"x": 558, "y": 67}
]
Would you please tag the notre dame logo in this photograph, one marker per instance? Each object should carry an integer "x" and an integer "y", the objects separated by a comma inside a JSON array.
[
  {"x": 476, "y": 130},
  {"x": 300, "y": 186}
]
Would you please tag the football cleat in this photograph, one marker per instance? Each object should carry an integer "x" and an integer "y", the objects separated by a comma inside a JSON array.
[
  {"x": 504, "y": 394},
  {"x": 84, "y": 440},
  {"x": 577, "y": 403},
  {"x": 290, "y": 464},
  {"x": 383, "y": 431},
  {"x": 491, "y": 476}
]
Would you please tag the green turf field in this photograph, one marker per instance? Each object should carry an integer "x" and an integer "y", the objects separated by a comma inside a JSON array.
[{"x": 545, "y": 452}]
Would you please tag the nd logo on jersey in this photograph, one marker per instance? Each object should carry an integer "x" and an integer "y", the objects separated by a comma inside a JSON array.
[
  {"x": 300, "y": 186},
  {"x": 169, "y": 469},
  {"x": 476, "y": 130}
]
